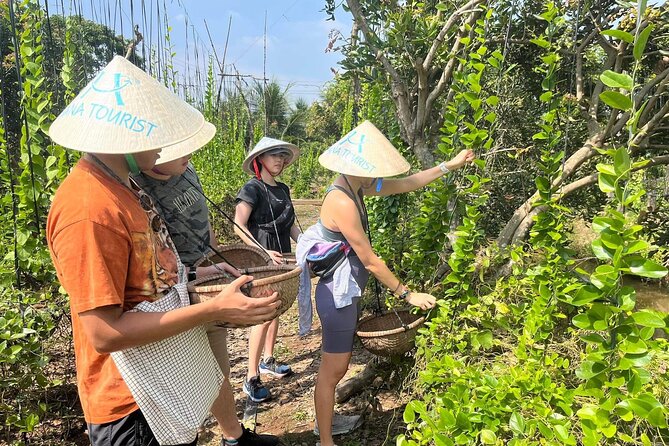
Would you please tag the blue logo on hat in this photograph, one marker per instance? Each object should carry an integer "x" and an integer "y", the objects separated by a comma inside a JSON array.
[
  {"x": 100, "y": 112},
  {"x": 120, "y": 82},
  {"x": 348, "y": 139}
]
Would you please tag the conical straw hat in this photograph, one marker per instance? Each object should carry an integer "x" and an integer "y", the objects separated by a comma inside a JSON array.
[
  {"x": 265, "y": 145},
  {"x": 364, "y": 152},
  {"x": 124, "y": 110},
  {"x": 187, "y": 146}
]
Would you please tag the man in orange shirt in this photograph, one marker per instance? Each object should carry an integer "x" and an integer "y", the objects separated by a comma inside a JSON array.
[{"x": 113, "y": 255}]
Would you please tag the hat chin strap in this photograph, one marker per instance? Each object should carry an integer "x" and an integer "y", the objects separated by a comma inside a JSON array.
[
  {"x": 132, "y": 164},
  {"x": 256, "y": 169}
]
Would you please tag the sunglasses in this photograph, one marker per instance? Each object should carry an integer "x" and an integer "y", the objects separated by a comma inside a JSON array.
[
  {"x": 149, "y": 207},
  {"x": 283, "y": 153}
]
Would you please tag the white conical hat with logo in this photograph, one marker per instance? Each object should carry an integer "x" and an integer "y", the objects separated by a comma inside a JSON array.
[
  {"x": 187, "y": 146},
  {"x": 265, "y": 145},
  {"x": 124, "y": 110},
  {"x": 364, "y": 152}
]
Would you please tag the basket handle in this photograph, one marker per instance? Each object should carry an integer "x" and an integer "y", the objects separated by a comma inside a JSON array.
[
  {"x": 404, "y": 326},
  {"x": 246, "y": 288}
]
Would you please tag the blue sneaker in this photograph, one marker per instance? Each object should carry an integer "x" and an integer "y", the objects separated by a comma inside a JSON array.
[
  {"x": 256, "y": 390},
  {"x": 272, "y": 367}
]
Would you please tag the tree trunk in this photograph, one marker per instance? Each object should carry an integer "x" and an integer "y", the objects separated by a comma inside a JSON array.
[
  {"x": 423, "y": 152},
  {"x": 520, "y": 223},
  {"x": 355, "y": 384}
]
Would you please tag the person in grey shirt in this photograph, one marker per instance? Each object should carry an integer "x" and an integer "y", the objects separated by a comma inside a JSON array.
[{"x": 177, "y": 193}]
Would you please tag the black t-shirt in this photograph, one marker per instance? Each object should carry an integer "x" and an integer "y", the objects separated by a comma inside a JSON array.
[
  {"x": 182, "y": 205},
  {"x": 265, "y": 222}
]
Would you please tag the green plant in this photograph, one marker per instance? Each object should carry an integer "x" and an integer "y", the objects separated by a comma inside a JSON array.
[
  {"x": 23, "y": 328},
  {"x": 30, "y": 172},
  {"x": 620, "y": 349}
]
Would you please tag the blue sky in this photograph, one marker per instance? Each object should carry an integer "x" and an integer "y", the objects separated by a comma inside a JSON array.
[{"x": 297, "y": 34}]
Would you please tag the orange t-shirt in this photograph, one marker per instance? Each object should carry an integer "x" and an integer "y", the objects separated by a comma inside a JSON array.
[{"x": 105, "y": 253}]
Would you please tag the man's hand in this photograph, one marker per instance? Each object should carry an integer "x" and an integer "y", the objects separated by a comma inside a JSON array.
[
  {"x": 276, "y": 257},
  {"x": 234, "y": 307},
  {"x": 229, "y": 269}
]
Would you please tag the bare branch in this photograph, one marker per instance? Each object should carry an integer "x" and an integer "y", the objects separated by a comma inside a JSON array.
[
  {"x": 132, "y": 45},
  {"x": 579, "y": 63},
  {"x": 646, "y": 130},
  {"x": 661, "y": 88},
  {"x": 439, "y": 40},
  {"x": 449, "y": 68},
  {"x": 661, "y": 79},
  {"x": 579, "y": 77},
  {"x": 592, "y": 179}
]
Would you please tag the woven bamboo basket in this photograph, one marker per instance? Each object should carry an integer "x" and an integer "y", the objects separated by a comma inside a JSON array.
[
  {"x": 289, "y": 258},
  {"x": 239, "y": 256},
  {"x": 285, "y": 279},
  {"x": 384, "y": 335}
]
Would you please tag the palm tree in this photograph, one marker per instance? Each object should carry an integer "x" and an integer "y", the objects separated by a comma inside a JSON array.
[
  {"x": 271, "y": 107},
  {"x": 297, "y": 120}
]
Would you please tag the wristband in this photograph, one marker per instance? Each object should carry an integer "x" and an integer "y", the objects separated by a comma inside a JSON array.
[
  {"x": 404, "y": 294},
  {"x": 192, "y": 273},
  {"x": 443, "y": 168}
]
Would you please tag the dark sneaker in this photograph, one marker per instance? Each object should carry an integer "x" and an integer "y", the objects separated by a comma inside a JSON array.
[
  {"x": 250, "y": 438},
  {"x": 273, "y": 367},
  {"x": 255, "y": 390}
]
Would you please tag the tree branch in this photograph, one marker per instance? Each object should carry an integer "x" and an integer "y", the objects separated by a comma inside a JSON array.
[
  {"x": 398, "y": 86},
  {"x": 592, "y": 179},
  {"x": 661, "y": 79},
  {"x": 439, "y": 40},
  {"x": 579, "y": 64},
  {"x": 447, "y": 74},
  {"x": 132, "y": 45},
  {"x": 645, "y": 131}
]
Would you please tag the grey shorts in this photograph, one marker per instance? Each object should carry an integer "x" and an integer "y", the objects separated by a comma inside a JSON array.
[{"x": 339, "y": 324}]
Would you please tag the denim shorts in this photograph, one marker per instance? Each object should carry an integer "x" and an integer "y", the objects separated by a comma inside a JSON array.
[{"x": 131, "y": 430}]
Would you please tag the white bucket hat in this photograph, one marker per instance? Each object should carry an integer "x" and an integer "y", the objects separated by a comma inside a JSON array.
[
  {"x": 124, "y": 110},
  {"x": 364, "y": 152},
  {"x": 188, "y": 146},
  {"x": 265, "y": 145}
]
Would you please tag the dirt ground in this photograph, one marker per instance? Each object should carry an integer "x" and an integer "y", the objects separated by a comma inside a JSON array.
[{"x": 290, "y": 412}]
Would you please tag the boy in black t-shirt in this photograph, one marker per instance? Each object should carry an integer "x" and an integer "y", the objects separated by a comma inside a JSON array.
[{"x": 265, "y": 212}]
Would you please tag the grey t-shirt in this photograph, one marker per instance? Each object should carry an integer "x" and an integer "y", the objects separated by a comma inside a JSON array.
[{"x": 185, "y": 211}]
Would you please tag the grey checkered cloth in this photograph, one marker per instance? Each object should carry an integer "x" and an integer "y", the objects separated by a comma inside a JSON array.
[{"x": 176, "y": 380}]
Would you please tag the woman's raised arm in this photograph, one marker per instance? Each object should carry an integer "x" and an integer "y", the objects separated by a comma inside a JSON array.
[{"x": 393, "y": 186}]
